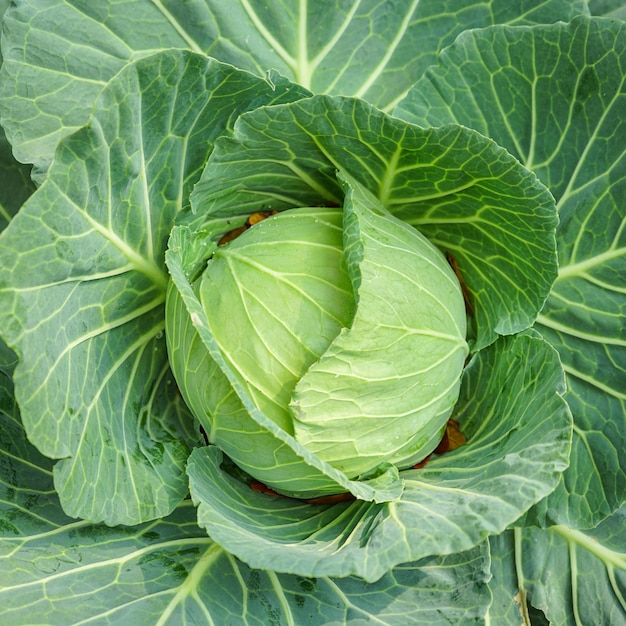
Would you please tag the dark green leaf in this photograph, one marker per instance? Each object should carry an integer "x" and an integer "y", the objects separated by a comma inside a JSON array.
[
  {"x": 571, "y": 577},
  {"x": 508, "y": 606},
  {"x": 83, "y": 289},
  {"x": 555, "y": 96},
  {"x": 59, "y": 571},
  {"x": 66, "y": 51},
  {"x": 15, "y": 183},
  {"x": 608, "y": 8}
]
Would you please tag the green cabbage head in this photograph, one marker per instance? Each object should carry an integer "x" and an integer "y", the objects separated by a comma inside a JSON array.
[{"x": 343, "y": 326}]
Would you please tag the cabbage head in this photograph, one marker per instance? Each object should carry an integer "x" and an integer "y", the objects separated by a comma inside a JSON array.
[{"x": 344, "y": 326}]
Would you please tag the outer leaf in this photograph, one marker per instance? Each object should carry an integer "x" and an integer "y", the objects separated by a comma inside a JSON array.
[
  {"x": 83, "y": 293},
  {"x": 594, "y": 591},
  {"x": 59, "y": 571},
  {"x": 4, "y": 5},
  {"x": 77, "y": 47},
  {"x": 26, "y": 492},
  {"x": 508, "y": 607},
  {"x": 467, "y": 195},
  {"x": 66, "y": 51},
  {"x": 446, "y": 507},
  {"x": 572, "y": 577},
  {"x": 368, "y": 49},
  {"x": 502, "y": 81}
]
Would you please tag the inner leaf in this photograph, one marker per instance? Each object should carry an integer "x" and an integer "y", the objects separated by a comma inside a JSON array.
[
  {"x": 386, "y": 386},
  {"x": 277, "y": 296}
]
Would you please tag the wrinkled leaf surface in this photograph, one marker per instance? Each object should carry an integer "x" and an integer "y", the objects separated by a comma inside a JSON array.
[
  {"x": 448, "y": 506},
  {"x": 83, "y": 288},
  {"x": 555, "y": 96},
  {"x": 370, "y": 49}
]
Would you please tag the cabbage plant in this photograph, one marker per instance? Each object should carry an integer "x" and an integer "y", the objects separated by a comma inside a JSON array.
[{"x": 313, "y": 314}]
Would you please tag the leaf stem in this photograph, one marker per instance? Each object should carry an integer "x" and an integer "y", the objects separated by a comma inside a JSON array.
[
  {"x": 573, "y": 536},
  {"x": 519, "y": 572}
]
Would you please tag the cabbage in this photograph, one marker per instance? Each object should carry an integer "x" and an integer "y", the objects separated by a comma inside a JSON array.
[{"x": 345, "y": 328}]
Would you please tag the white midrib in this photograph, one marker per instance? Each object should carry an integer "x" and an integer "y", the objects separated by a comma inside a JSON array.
[
  {"x": 303, "y": 69},
  {"x": 576, "y": 269},
  {"x": 587, "y": 542},
  {"x": 274, "y": 43}
]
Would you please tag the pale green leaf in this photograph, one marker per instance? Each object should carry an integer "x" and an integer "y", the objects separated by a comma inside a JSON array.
[
  {"x": 503, "y": 82},
  {"x": 83, "y": 288},
  {"x": 61, "y": 53},
  {"x": 277, "y": 296},
  {"x": 257, "y": 443},
  {"x": 358, "y": 406}
]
